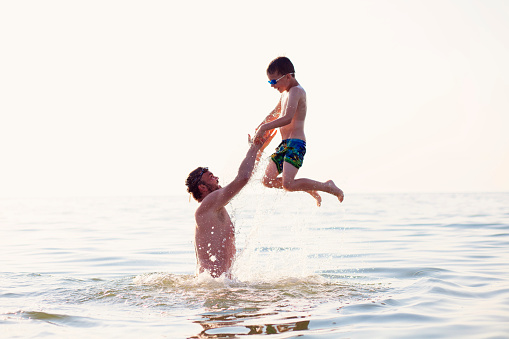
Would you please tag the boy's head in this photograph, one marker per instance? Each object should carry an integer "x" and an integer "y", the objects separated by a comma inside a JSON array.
[{"x": 281, "y": 65}]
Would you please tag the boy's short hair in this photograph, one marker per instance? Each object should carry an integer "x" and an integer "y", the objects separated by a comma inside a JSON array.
[
  {"x": 193, "y": 180},
  {"x": 281, "y": 65}
]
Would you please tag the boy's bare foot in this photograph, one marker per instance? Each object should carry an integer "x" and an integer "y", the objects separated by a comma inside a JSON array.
[
  {"x": 317, "y": 196},
  {"x": 335, "y": 190}
]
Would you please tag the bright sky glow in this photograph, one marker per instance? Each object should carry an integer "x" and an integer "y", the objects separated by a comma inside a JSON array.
[{"x": 127, "y": 97}]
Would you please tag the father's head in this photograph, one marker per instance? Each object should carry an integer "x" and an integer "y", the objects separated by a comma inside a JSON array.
[{"x": 200, "y": 182}]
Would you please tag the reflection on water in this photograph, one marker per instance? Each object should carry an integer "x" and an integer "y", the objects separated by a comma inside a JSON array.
[{"x": 232, "y": 324}]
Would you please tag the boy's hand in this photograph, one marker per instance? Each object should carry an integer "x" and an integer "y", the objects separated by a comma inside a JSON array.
[
  {"x": 260, "y": 134},
  {"x": 261, "y": 137},
  {"x": 256, "y": 141}
]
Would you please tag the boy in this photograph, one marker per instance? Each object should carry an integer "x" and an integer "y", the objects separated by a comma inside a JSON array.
[{"x": 289, "y": 155}]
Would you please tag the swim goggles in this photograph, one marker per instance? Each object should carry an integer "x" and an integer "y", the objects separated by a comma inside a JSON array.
[{"x": 274, "y": 81}]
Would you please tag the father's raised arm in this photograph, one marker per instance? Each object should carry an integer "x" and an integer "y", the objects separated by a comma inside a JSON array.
[{"x": 221, "y": 197}]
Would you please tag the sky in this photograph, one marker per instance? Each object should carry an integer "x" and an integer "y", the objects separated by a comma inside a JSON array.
[{"x": 125, "y": 98}]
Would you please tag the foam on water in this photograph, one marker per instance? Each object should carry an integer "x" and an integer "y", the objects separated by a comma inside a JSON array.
[{"x": 286, "y": 293}]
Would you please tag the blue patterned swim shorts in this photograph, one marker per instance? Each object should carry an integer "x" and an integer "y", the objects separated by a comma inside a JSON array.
[{"x": 291, "y": 151}]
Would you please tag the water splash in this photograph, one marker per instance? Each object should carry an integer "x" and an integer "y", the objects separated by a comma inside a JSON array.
[{"x": 274, "y": 235}]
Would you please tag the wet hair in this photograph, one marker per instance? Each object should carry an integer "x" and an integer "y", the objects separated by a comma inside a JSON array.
[
  {"x": 193, "y": 180},
  {"x": 281, "y": 65}
]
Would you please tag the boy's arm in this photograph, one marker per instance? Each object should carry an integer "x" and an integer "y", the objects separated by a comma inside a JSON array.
[
  {"x": 276, "y": 112},
  {"x": 222, "y": 197},
  {"x": 294, "y": 96}
]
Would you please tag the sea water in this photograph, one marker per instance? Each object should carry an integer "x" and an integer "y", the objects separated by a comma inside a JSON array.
[{"x": 376, "y": 266}]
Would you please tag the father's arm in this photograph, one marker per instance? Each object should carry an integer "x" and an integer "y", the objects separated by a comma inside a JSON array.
[{"x": 221, "y": 197}]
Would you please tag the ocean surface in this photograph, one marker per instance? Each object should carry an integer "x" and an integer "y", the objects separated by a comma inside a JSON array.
[{"x": 376, "y": 266}]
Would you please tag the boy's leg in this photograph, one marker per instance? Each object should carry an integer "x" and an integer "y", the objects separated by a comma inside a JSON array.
[
  {"x": 270, "y": 179},
  {"x": 289, "y": 173},
  {"x": 307, "y": 185}
]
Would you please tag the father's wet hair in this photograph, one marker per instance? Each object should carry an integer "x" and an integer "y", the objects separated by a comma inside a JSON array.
[{"x": 193, "y": 180}]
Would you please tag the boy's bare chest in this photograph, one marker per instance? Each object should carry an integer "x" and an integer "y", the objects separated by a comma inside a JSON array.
[{"x": 300, "y": 105}]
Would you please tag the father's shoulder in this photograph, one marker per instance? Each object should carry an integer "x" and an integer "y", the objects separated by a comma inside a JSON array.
[{"x": 208, "y": 203}]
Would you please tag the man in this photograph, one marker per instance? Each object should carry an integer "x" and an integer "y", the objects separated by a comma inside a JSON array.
[{"x": 215, "y": 232}]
